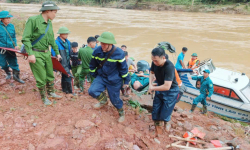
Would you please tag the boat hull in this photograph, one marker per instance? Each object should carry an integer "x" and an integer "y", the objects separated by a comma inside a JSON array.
[{"x": 219, "y": 109}]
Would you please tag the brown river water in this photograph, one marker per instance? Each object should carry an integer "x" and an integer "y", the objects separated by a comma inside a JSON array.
[{"x": 224, "y": 38}]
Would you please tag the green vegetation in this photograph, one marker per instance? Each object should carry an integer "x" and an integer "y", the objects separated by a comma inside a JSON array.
[
  {"x": 232, "y": 120},
  {"x": 136, "y": 105}
]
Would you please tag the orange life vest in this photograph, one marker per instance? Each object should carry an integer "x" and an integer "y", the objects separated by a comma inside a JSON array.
[
  {"x": 192, "y": 63},
  {"x": 178, "y": 78}
]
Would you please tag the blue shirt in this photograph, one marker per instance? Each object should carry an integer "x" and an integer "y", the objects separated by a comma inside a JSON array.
[
  {"x": 6, "y": 40},
  {"x": 178, "y": 64},
  {"x": 95, "y": 47},
  {"x": 207, "y": 86}
]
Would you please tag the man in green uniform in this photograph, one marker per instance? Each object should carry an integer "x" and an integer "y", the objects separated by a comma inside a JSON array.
[
  {"x": 85, "y": 55},
  {"x": 39, "y": 54}
]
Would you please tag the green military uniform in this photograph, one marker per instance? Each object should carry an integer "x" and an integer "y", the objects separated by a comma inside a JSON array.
[
  {"x": 43, "y": 67},
  {"x": 85, "y": 55},
  {"x": 76, "y": 71}
]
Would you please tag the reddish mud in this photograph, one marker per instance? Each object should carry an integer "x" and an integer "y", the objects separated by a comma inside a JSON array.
[{"x": 72, "y": 123}]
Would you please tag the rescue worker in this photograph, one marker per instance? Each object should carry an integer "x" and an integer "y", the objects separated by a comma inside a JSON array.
[
  {"x": 64, "y": 47},
  {"x": 193, "y": 62},
  {"x": 76, "y": 66},
  {"x": 8, "y": 40},
  {"x": 39, "y": 55},
  {"x": 166, "y": 89},
  {"x": 180, "y": 59},
  {"x": 206, "y": 90},
  {"x": 108, "y": 74},
  {"x": 85, "y": 55}
]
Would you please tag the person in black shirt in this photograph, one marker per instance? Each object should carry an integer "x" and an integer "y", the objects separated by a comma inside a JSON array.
[{"x": 166, "y": 89}]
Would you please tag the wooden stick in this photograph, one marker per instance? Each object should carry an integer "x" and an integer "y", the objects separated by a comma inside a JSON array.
[
  {"x": 169, "y": 145},
  {"x": 189, "y": 148},
  {"x": 220, "y": 148},
  {"x": 189, "y": 140},
  {"x": 187, "y": 144}
]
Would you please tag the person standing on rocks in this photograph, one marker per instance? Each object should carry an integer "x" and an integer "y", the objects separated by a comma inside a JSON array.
[
  {"x": 8, "y": 40},
  {"x": 166, "y": 89},
  {"x": 64, "y": 47},
  {"x": 39, "y": 29},
  {"x": 108, "y": 66},
  {"x": 206, "y": 90}
]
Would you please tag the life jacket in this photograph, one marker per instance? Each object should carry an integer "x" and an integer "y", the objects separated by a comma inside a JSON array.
[
  {"x": 192, "y": 63},
  {"x": 178, "y": 78}
]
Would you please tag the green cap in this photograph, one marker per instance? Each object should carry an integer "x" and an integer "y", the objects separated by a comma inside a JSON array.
[
  {"x": 132, "y": 58},
  {"x": 207, "y": 71},
  {"x": 5, "y": 14},
  {"x": 194, "y": 54},
  {"x": 107, "y": 37},
  {"x": 49, "y": 5},
  {"x": 63, "y": 30}
]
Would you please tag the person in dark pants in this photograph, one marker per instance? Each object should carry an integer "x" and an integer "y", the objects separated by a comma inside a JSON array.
[
  {"x": 76, "y": 66},
  {"x": 166, "y": 89},
  {"x": 206, "y": 90},
  {"x": 110, "y": 74},
  {"x": 64, "y": 47},
  {"x": 8, "y": 40}
]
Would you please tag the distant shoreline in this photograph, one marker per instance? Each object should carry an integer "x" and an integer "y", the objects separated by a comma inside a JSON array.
[{"x": 234, "y": 8}]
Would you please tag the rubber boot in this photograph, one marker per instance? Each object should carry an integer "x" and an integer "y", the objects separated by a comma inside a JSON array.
[
  {"x": 193, "y": 107},
  {"x": 167, "y": 126},
  {"x": 88, "y": 78},
  {"x": 8, "y": 74},
  {"x": 43, "y": 96},
  {"x": 51, "y": 92},
  {"x": 69, "y": 87},
  {"x": 81, "y": 85},
  {"x": 121, "y": 114},
  {"x": 103, "y": 100},
  {"x": 204, "y": 109},
  {"x": 64, "y": 87},
  {"x": 16, "y": 76},
  {"x": 158, "y": 128}
]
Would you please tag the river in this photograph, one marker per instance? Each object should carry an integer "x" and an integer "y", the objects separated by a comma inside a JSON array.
[{"x": 224, "y": 38}]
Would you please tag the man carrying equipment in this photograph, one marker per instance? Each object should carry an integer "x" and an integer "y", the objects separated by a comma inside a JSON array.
[{"x": 39, "y": 30}]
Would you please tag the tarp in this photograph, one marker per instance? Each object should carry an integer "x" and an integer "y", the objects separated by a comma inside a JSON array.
[
  {"x": 56, "y": 64},
  {"x": 184, "y": 70}
]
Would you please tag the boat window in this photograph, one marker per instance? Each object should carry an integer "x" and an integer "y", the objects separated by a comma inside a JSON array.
[
  {"x": 234, "y": 96},
  {"x": 221, "y": 91},
  {"x": 246, "y": 92}
]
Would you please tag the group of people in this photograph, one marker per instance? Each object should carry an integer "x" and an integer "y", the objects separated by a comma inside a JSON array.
[
  {"x": 107, "y": 66},
  {"x": 206, "y": 84}
]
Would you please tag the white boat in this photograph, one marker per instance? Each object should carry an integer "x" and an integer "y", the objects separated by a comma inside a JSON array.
[{"x": 231, "y": 96}]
